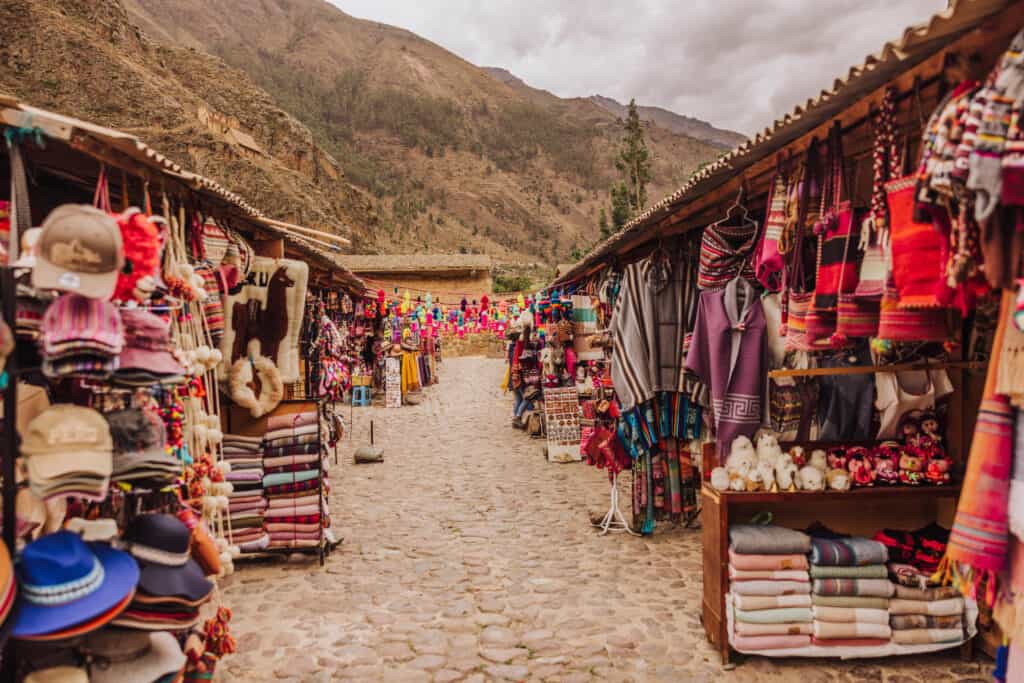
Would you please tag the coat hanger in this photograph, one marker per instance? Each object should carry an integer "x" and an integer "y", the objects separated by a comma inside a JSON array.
[{"x": 738, "y": 203}]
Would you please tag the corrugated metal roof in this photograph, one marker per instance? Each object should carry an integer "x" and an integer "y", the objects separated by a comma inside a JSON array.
[
  {"x": 16, "y": 113},
  {"x": 915, "y": 44}
]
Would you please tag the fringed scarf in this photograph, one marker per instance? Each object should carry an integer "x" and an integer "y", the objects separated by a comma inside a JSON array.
[{"x": 978, "y": 543}]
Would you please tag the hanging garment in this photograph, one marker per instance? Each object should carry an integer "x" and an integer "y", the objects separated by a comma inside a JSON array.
[
  {"x": 902, "y": 392},
  {"x": 845, "y": 401},
  {"x": 726, "y": 252},
  {"x": 647, "y": 327},
  {"x": 729, "y": 355}
]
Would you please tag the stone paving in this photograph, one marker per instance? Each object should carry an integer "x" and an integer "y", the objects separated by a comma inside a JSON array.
[{"x": 468, "y": 557}]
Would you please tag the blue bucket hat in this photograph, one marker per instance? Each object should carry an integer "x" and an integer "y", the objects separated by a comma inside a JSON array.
[{"x": 65, "y": 581}]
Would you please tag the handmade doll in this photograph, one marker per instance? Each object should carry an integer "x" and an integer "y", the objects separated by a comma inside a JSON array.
[
  {"x": 860, "y": 466},
  {"x": 798, "y": 455},
  {"x": 887, "y": 459},
  {"x": 836, "y": 458},
  {"x": 937, "y": 472},
  {"x": 838, "y": 480},
  {"x": 819, "y": 460},
  {"x": 930, "y": 426},
  {"x": 911, "y": 468}
]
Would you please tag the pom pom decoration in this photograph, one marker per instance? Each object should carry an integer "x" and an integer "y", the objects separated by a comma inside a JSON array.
[{"x": 142, "y": 242}]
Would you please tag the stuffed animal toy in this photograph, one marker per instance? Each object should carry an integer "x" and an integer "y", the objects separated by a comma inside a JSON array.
[
  {"x": 798, "y": 456},
  {"x": 766, "y": 470},
  {"x": 785, "y": 473},
  {"x": 737, "y": 480},
  {"x": 860, "y": 466},
  {"x": 755, "y": 480},
  {"x": 911, "y": 468},
  {"x": 886, "y": 458},
  {"x": 819, "y": 460},
  {"x": 768, "y": 448},
  {"x": 810, "y": 478},
  {"x": 838, "y": 480},
  {"x": 720, "y": 479},
  {"x": 742, "y": 447}
]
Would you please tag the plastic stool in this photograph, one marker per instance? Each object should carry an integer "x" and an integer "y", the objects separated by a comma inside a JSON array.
[{"x": 360, "y": 396}]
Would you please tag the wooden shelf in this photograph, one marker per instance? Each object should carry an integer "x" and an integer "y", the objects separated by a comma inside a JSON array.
[
  {"x": 874, "y": 369},
  {"x": 853, "y": 495}
]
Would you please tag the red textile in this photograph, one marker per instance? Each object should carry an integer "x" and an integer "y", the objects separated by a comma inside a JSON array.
[{"x": 918, "y": 267}]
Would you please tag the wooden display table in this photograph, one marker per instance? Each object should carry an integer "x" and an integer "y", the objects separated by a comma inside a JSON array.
[{"x": 859, "y": 511}]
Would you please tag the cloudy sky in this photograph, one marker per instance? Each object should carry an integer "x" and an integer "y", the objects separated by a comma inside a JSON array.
[{"x": 736, "y": 63}]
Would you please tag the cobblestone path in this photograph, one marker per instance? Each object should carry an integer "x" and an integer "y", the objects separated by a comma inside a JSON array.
[{"x": 467, "y": 556}]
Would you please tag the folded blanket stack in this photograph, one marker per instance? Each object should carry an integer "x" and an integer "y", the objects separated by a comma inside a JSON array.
[
  {"x": 292, "y": 471},
  {"x": 246, "y": 504},
  {"x": 922, "y": 616},
  {"x": 850, "y": 592},
  {"x": 770, "y": 588}
]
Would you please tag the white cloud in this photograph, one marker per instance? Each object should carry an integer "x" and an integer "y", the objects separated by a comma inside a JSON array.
[{"x": 736, "y": 64}]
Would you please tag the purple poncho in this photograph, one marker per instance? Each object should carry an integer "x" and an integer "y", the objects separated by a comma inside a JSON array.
[{"x": 729, "y": 355}]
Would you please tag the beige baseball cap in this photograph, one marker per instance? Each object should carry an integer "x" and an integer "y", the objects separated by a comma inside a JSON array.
[
  {"x": 66, "y": 439},
  {"x": 79, "y": 250}
]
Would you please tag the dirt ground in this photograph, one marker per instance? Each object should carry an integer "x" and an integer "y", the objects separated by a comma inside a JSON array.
[{"x": 467, "y": 556}]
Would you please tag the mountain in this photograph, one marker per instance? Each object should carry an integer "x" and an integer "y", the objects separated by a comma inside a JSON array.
[
  {"x": 677, "y": 123},
  {"x": 362, "y": 125},
  {"x": 85, "y": 58}
]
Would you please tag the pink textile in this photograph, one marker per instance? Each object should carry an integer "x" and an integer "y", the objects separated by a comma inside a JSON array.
[
  {"x": 293, "y": 420},
  {"x": 755, "y": 643},
  {"x": 282, "y": 460},
  {"x": 850, "y": 642},
  {"x": 752, "y": 562},
  {"x": 771, "y": 587},
  {"x": 790, "y": 629},
  {"x": 246, "y": 507},
  {"x": 767, "y": 574},
  {"x": 293, "y": 503},
  {"x": 278, "y": 527},
  {"x": 293, "y": 511}
]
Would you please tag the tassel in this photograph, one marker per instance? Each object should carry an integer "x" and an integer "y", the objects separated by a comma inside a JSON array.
[
  {"x": 838, "y": 340},
  {"x": 943, "y": 573}
]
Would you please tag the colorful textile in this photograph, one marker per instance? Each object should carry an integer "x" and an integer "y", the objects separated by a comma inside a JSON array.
[
  {"x": 837, "y": 263},
  {"x": 847, "y": 614},
  {"x": 771, "y": 587},
  {"x": 647, "y": 326},
  {"x": 759, "y": 643},
  {"x": 927, "y": 594},
  {"x": 766, "y": 562},
  {"x": 767, "y": 540},
  {"x": 781, "y": 615},
  {"x": 755, "y": 602},
  {"x": 869, "y": 571},
  {"x": 729, "y": 355},
  {"x": 847, "y": 552},
  {"x": 935, "y": 608},
  {"x": 924, "y": 636},
  {"x": 279, "y": 489},
  {"x": 768, "y": 261},
  {"x": 902, "y": 622},
  {"x": 762, "y": 574},
  {"x": 918, "y": 266},
  {"x": 743, "y": 628},
  {"x": 873, "y": 588},
  {"x": 851, "y": 629},
  {"x": 725, "y": 254},
  {"x": 282, "y": 478},
  {"x": 849, "y": 601},
  {"x": 977, "y": 547}
]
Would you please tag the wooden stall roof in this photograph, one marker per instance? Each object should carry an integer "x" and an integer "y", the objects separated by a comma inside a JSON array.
[
  {"x": 447, "y": 264},
  {"x": 916, "y": 45},
  {"x": 126, "y": 151}
]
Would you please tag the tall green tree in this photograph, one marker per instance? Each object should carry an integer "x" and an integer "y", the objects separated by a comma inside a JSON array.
[
  {"x": 622, "y": 210},
  {"x": 634, "y": 161}
]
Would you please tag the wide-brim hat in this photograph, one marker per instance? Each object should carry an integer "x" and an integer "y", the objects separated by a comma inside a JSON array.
[
  {"x": 186, "y": 581},
  {"x": 85, "y": 627},
  {"x": 122, "y": 655},
  {"x": 120, "y": 576},
  {"x": 58, "y": 674}
]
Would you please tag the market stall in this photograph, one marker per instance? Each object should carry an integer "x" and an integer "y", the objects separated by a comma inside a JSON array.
[
  {"x": 150, "y": 315},
  {"x": 830, "y": 297}
]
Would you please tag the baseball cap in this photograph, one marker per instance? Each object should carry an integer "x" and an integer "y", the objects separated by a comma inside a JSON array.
[
  {"x": 80, "y": 250},
  {"x": 67, "y": 441}
]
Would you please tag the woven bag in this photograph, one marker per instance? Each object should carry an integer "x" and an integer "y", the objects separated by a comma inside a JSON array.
[
  {"x": 911, "y": 324},
  {"x": 857, "y": 317}
]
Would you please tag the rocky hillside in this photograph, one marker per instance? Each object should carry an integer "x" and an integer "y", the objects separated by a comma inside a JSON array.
[
  {"x": 336, "y": 122},
  {"x": 455, "y": 159},
  {"x": 87, "y": 59},
  {"x": 677, "y": 123}
]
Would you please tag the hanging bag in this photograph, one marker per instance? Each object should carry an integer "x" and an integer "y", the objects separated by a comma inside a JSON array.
[
  {"x": 797, "y": 297},
  {"x": 769, "y": 262}
]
